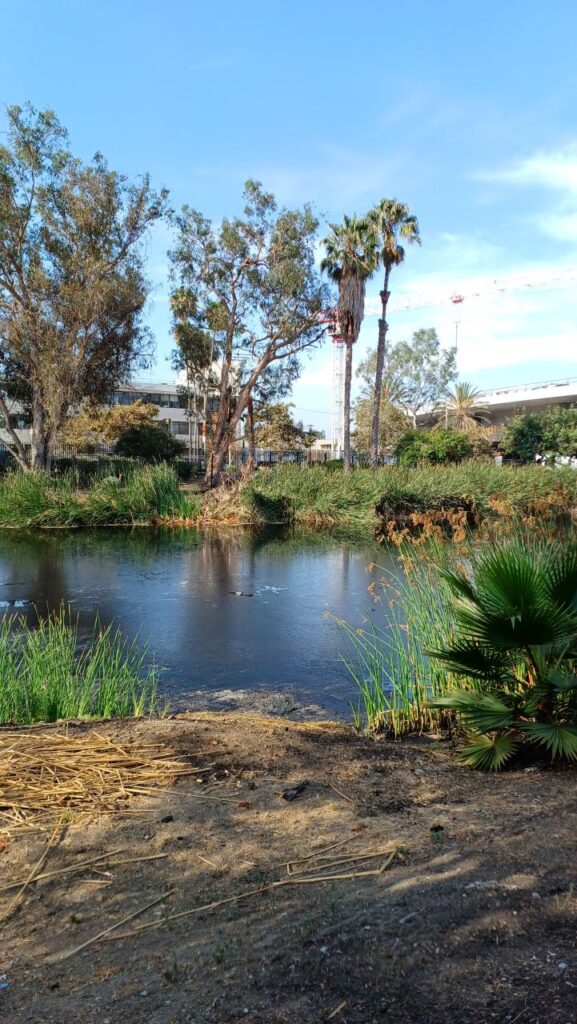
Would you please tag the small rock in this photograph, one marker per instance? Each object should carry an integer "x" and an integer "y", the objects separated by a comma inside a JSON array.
[{"x": 167, "y": 818}]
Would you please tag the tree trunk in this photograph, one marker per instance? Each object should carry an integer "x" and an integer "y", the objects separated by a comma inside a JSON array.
[
  {"x": 347, "y": 407},
  {"x": 15, "y": 446},
  {"x": 381, "y": 350},
  {"x": 41, "y": 438},
  {"x": 251, "y": 439}
]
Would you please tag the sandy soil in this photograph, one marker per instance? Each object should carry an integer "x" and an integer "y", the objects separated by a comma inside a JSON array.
[{"x": 475, "y": 919}]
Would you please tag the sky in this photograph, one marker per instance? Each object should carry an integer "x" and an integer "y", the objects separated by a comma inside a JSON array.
[{"x": 464, "y": 111}]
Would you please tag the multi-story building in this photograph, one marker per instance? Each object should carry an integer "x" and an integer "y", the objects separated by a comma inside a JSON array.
[{"x": 170, "y": 400}]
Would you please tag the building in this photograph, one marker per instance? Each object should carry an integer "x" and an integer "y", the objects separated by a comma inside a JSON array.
[
  {"x": 504, "y": 403},
  {"x": 167, "y": 396}
]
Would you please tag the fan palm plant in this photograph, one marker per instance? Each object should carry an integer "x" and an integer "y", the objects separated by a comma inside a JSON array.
[
  {"x": 390, "y": 222},
  {"x": 463, "y": 409},
  {"x": 515, "y": 646},
  {"x": 348, "y": 262}
]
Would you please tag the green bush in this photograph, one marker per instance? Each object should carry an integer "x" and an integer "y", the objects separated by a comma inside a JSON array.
[
  {"x": 552, "y": 432},
  {"x": 435, "y": 446},
  {"x": 149, "y": 443},
  {"x": 186, "y": 471},
  {"x": 515, "y": 648}
]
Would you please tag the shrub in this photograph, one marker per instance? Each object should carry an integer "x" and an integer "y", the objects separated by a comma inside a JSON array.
[
  {"x": 515, "y": 646},
  {"x": 149, "y": 443},
  {"x": 434, "y": 446},
  {"x": 552, "y": 432}
]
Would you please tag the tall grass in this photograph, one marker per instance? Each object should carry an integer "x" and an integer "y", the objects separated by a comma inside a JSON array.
[
  {"x": 147, "y": 494},
  {"x": 45, "y": 675},
  {"x": 316, "y": 495},
  {"x": 395, "y": 677}
]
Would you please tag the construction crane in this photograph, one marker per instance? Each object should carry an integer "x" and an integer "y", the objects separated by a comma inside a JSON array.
[{"x": 537, "y": 280}]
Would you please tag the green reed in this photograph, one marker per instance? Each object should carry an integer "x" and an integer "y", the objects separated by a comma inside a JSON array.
[{"x": 46, "y": 675}]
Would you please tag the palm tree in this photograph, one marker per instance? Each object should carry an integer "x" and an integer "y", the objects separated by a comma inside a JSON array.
[
  {"x": 463, "y": 409},
  {"x": 514, "y": 652},
  {"x": 348, "y": 262},
  {"x": 390, "y": 221}
]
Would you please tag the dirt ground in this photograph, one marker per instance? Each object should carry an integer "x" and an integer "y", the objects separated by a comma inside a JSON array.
[{"x": 473, "y": 920}]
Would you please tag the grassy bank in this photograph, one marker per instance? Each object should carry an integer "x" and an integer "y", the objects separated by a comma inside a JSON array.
[
  {"x": 45, "y": 675},
  {"x": 149, "y": 494},
  {"x": 317, "y": 496}
]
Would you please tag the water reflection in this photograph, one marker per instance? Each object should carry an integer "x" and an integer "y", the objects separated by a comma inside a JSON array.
[{"x": 178, "y": 590}]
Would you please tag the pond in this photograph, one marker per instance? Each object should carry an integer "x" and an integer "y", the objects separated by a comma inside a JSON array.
[{"x": 231, "y": 618}]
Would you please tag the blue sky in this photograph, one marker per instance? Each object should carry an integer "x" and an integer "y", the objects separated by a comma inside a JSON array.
[{"x": 464, "y": 111}]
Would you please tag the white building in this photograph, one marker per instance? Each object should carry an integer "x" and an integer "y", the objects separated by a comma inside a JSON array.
[{"x": 167, "y": 396}]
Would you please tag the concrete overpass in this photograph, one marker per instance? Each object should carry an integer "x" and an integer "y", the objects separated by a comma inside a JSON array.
[{"x": 503, "y": 403}]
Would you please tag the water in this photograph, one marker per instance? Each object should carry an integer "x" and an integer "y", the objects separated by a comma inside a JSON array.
[{"x": 231, "y": 618}]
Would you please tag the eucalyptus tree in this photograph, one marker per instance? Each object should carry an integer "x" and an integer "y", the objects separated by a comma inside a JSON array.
[
  {"x": 259, "y": 271},
  {"x": 348, "y": 261},
  {"x": 72, "y": 283},
  {"x": 391, "y": 223}
]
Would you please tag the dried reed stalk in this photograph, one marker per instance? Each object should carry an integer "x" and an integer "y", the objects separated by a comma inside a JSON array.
[{"x": 44, "y": 775}]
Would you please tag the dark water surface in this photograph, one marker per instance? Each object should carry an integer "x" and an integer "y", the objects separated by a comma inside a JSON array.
[{"x": 178, "y": 590}]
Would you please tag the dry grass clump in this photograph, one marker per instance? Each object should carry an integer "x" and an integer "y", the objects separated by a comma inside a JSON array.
[{"x": 46, "y": 777}]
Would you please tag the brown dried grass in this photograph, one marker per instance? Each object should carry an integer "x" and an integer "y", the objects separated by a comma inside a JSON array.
[{"x": 45, "y": 777}]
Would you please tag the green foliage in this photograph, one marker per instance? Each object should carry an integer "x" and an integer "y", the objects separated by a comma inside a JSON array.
[
  {"x": 252, "y": 284},
  {"x": 552, "y": 432},
  {"x": 72, "y": 281},
  {"x": 434, "y": 446},
  {"x": 276, "y": 429},
  {"x": 149, "y": 443},
  {"x": 392, "y": 424},
  {"x": 489, "y": 490},
  {"x": 45, "y": 674},
  {"x": 515, "y": 651},
  {"x": 147, "y": 494},
  {"x": 395, "y": 677}
]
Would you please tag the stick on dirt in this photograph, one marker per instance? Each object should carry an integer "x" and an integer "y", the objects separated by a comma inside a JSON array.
[{"x": 58, "y": 957}]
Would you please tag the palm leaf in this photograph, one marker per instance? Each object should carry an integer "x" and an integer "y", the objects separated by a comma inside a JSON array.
[
  {"x": 489, "y": 753},
  {"x": 561, "y": 682},
  {"x": 459, "y": 584},
  {"x": 484, "y": 712},
  {"x": 560, "y": 740},
  {"x": 561, "y": 578},
  {"x": 477, "y": 661}
]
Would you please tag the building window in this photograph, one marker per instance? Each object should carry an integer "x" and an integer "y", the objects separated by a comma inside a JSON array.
[{"x": 180, "y": 427}]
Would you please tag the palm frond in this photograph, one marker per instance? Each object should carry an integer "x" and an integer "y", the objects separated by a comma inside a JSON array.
[
  {"x": 560, "y": 740},
  {"x": 476, "y": 661},
  {"x": 484, "y": 712},
  {"x": 489, "y": 753}
]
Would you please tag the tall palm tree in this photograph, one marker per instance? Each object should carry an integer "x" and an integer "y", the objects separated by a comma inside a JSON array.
[
  {"x": 463, "y": 409},
  {"x": 390, "y": 221},
  {"x": 348, "y": 262}
]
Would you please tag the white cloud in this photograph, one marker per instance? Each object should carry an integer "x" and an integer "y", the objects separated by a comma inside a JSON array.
[
  {"x": 551, "y": 170},
  {"x": 555, "y": 172}
]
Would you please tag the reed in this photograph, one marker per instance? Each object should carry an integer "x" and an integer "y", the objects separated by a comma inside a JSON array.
[
  {"x": 46, "y": 675},
  {"x": 316, "y": 496},
  {"x": 146, "y": 494},
  {"x": 395, "y": 677}
]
